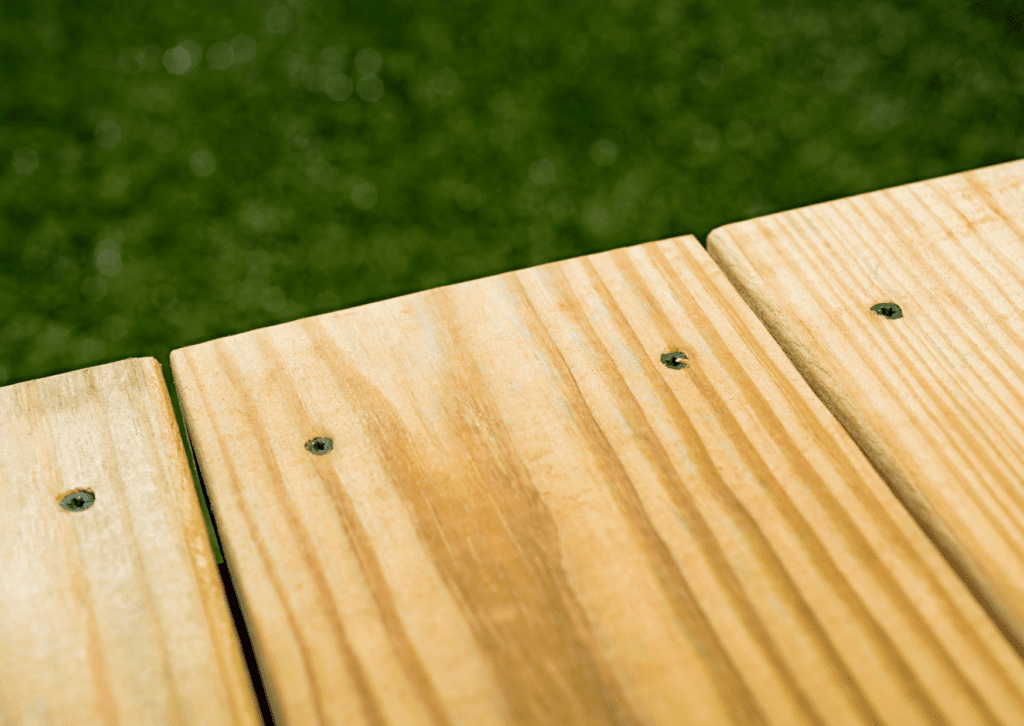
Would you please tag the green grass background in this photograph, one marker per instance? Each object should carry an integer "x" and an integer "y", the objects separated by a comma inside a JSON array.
[
  {"x": 714, "y": 112},
  {"x": 145, "y": 208}
]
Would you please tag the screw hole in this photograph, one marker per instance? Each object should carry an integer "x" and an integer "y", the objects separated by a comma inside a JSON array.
[
  {"x": 78, "y": 501},
  {"x": 319, "y": 446},
  {"x": 888, "y": 310},
  {"x": 674, "y": 360}
]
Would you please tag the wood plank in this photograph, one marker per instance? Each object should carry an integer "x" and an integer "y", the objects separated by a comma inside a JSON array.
[
  {"x": 114, "y": 613},
  {"x": 526, "y": 518},
  {"x": 935, "y": 397}
]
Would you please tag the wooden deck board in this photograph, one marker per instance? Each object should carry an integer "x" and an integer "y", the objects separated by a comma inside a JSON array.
[
  {"x": 114, "y": 614},
  {"x": 526, "y": 518},
  {"x": 935, "y": 398}
]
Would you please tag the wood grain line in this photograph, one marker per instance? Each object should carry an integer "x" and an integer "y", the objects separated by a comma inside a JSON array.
[
  {"x": 546, "y": 598},
  {"x": 119, "y": 480},
  {"x": 369, "y": 564},
  {"x": 935, "y": 398},
  {"x": 896, "y": 537},
  {"x": 813, "y": 545},
  {"x": 367, "y": 701},
  {"x": 733, "y": 691}
]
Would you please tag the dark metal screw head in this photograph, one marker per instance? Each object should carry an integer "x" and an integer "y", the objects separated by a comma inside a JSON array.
[
  {"x": 888, "y": 309},
  {"x": 319, "y": 446},
  {"x": 674, "y": 360},
  {"x": 77, "y": 501}
]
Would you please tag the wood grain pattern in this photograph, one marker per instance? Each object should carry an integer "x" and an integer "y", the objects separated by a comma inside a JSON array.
[
  {"x": 114, "y": 614},
  {"x": 934, "y": 398},
  {"x": 527, "y": 519}
]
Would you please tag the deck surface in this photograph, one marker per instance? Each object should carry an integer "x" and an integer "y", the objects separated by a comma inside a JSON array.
[
  {"x": 115, "y": 613},
  {"x": 935, "y": 398},
  {"x": 526, "y": 518}
]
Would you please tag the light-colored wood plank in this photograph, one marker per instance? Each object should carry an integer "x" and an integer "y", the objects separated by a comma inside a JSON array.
[
  {"x": 935, "y": 398},
  {"x": 113, "y": 614},
  {"x": 526, "y": 518}
]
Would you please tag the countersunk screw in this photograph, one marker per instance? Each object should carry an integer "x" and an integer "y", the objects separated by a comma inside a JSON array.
[
  {"x": 888, "y": 309},
  {"x": 674, "y": 360},
  {"x": 319, "y": 446},
  {"x": 77, "y": 501}
]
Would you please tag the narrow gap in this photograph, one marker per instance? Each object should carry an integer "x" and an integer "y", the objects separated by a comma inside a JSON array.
[
  {"x": 240, "y": 626},
  {"x": 255, "y": 678},
  {"x": 193, "y": 467}
]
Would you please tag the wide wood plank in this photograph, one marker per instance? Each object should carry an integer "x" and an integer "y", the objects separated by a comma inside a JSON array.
[
  {"x": 933, "y": 392},
  {"x": 525, "y": 517},
  {"x": 111, "y": 611}
]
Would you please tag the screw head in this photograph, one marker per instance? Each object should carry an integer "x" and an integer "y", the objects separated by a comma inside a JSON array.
[
  {"x": 78, "y": 501},
  {"x": 887, "y": 310},
  {"x": 674, "y": 360},
  {"x": 319, "y": 446}
]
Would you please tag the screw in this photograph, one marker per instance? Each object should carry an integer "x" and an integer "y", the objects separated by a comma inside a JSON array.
[
  {"x": 77, "y": 501},
  {"x": 674, "y": 360},
  {"x": 319, "y": 445},
  {"x": 889, "y": 309}
]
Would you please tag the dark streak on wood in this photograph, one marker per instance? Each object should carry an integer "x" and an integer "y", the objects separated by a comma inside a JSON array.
[
  {"x": 451, "y": 508},
  {"x": 362, "y": 546}
]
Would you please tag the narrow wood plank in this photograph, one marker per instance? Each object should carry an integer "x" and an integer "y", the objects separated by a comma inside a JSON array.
[
  {"x": 935, "y": 397},
  {"x": 526, "y": 518},
  {"x": 115, "y": 613}
]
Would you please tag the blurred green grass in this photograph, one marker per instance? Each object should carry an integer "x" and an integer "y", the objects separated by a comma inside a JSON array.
[{"x": 154, "y": 198}]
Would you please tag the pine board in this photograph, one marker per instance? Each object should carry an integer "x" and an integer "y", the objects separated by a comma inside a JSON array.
[
  {"x": 114, "y": 614},
  {"x": 526, "y": 518},
  {"x": 935, "y": 398}
]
